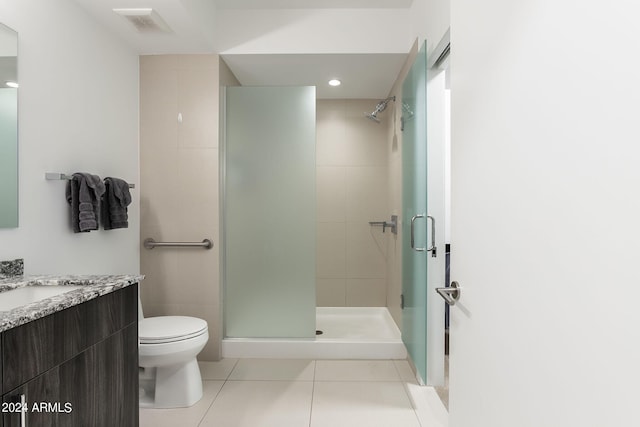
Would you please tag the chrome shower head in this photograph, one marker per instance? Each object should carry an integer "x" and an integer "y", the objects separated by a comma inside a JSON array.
[
  {"x": 372, "y": 116},
  {"x": 382, "y": 105}
]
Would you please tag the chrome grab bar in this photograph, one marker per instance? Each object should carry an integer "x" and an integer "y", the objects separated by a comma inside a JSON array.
[
  {"x": 451, "y": 294},
  {"x": 150, "y": 244},
  {"x": 413, "y": 246}
]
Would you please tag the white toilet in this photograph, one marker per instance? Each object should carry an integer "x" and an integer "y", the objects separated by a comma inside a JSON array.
[{"x": 169, "y": 373}]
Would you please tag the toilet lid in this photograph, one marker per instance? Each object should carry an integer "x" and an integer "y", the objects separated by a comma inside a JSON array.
[{"x": 155, "y": 330}]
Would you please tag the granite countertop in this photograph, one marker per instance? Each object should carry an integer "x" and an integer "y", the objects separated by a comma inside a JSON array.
[{"x": 93, "y": 287}]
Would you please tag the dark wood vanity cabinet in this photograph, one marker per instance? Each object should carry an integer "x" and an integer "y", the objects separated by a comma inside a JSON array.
[{"x": 77, "y": 367}]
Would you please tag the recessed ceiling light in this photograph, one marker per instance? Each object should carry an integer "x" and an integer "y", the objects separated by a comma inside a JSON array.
[
  {"x": 11, "y": 84},
  {"x": 334, "y": 82}
]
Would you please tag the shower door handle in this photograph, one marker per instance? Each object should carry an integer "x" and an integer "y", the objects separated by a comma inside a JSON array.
[{"x": 413, "y": 243}]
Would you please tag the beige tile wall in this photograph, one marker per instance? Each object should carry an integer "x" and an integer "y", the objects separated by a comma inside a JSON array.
[
  {"x": 179, "y": 194},
  {"x": 179, "y": 187},
  {"x": 352, "y": 189}
]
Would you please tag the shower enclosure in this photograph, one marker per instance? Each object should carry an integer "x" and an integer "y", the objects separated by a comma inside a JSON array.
[
  {"x": 269, "y": 212},
  {"x": 268, "y": 176}
]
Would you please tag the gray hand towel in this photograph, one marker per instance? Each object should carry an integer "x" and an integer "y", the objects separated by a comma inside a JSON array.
[
  {"x": 114, "y": 204},
  {"x": 83, "y": 193}
]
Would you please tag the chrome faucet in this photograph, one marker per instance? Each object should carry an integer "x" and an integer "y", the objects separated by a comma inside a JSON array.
[{"x": 393, "y": 224}]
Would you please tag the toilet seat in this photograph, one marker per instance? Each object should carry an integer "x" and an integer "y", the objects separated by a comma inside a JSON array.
[{"x": 168, "y": 329}]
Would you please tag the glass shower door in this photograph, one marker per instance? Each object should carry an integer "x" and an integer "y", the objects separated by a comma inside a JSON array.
[
  {"x": 414, "y": 213},
  {"x": 269, "y": 212}
]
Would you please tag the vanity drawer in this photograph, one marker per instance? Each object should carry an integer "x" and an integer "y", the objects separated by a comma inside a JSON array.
[
  {"x": 110, "y": 313},
  {"x": 33, "y": 348},
  {"x": 96, "y": 388},
  {"x": 37, "y": 346}
]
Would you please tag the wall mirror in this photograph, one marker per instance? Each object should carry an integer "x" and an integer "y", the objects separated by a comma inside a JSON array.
[{"x": 8, "y": 127}]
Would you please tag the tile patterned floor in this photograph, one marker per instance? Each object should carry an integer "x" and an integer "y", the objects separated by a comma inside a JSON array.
[{"x": 306, "y": 393}]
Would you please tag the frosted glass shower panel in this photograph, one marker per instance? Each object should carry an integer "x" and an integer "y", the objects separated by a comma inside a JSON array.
[
  {"x": 270, "y": 207},
  {"x": 415, "y": 211}
]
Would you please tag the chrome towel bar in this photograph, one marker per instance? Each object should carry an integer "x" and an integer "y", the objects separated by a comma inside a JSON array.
[
  {"x": 56, "y": 176},
  {"x": 150, "y": 244}
]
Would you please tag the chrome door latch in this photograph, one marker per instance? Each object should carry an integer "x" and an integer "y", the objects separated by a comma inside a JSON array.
[
  {"x": 451, "y": 294},
  {"x": 433, "y": 249}
]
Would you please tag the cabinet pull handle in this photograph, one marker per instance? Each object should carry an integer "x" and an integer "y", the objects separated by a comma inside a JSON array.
[{"x": 23, "y": 412}]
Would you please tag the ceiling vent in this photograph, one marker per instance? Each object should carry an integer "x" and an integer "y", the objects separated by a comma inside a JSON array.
[{"x": 145, "y": 20}]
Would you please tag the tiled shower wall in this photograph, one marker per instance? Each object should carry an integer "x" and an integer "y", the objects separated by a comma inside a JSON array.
[
  {"x": 352, "y": 189},
  {"x": 179, "y": 187}
]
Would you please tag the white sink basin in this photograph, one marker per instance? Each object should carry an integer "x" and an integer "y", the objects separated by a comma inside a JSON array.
[{"x": 28, "y": 294}]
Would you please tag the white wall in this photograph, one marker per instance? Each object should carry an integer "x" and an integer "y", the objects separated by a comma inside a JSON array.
[
  {"x": 436, "y": 131},
  {"x": 297, "y": 30},
  {"x": 546, "y": 213},
  {"x": 78, "y": 111},
  {"x": 429, "y": 19}
]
